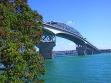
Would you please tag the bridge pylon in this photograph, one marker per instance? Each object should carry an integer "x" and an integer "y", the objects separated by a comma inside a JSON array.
[
  {"x": 47, "y": 43},
  {"x": 84, "y": 50},
  {"x": 45, "y": 49}
]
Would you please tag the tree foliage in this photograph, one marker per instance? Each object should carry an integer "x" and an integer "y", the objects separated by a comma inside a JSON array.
[{"x": 20, "y": 31}]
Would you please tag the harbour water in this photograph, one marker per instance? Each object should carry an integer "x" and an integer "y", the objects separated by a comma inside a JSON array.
[{"x": 79, "y": 69}]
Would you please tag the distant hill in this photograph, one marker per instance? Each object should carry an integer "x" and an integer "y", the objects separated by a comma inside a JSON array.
[{"x": 105, "y": 50}]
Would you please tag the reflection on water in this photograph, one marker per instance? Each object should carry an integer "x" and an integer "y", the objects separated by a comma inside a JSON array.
[{"x": 79, "y": 69}]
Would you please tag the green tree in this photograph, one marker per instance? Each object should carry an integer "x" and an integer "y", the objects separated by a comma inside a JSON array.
[{"x": 20, "y": 31}]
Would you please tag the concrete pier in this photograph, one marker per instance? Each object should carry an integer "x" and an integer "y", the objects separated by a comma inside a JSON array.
[
  {"x": 84, "y": 50},
  {"x": 81, "y": 50},
  {"x": 45, "y": 48}
]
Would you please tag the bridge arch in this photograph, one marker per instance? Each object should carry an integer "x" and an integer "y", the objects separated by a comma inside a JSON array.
[{"x": 71, "y": 38}]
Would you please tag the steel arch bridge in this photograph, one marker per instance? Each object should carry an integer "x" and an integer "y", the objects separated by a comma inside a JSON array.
[{"x": 62, "y": 30}]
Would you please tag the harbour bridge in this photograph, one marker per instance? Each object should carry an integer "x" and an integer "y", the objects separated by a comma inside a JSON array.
[{"x": 48, "y": 40}]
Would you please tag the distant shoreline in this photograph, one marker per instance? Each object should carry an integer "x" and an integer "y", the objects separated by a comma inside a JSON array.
[
  {"x": 74, "y": 52},
  {"x": 66, "y": 52}
]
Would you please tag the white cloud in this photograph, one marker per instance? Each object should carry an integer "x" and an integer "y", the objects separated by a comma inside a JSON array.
[{"x": 69, "y": 22}]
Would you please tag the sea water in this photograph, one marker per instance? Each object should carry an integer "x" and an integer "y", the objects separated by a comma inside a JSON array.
[{"x": 79, "y": 69}]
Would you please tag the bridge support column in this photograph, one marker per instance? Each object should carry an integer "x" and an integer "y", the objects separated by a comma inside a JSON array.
[
  {"x": 84, "y": 50},
  {"x": 45, "y": 48},
  {"x": 81, "y": 50},
  {"x": 90, "y": 51}
]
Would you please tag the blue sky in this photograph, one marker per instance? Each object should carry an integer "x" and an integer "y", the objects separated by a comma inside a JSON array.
[{"x": 92, "y": 18}]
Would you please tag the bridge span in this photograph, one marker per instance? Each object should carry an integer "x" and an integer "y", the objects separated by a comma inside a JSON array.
[{"x": 48, "y": 40}]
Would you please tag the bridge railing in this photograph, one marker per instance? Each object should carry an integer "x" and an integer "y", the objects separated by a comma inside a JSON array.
[{"x": 64, "y": 27}]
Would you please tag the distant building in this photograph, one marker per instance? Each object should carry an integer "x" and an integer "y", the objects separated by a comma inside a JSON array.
[{"x": 65, "y": 53}]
